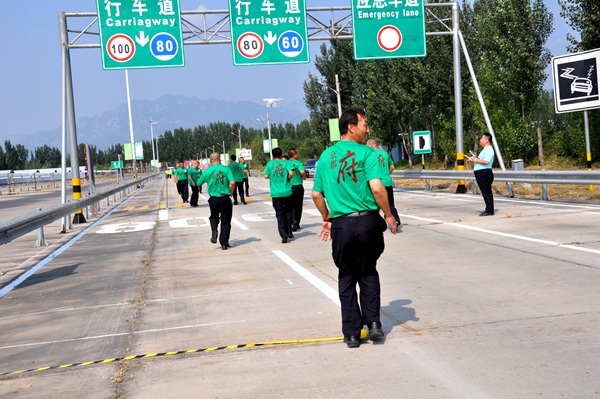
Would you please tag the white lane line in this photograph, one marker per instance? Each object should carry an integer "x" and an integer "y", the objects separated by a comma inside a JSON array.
[
  {"x": 267, "y": 203},
  {"x": 238, "y": 224},
  {"x": 59, "y": 251},
  {"x": 308, "y": 276},
  {"x": 203, "y": 197},
  {"x": 498, "y": 233}
]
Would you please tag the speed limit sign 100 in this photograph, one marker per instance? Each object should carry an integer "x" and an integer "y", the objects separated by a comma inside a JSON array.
[
  {"x": 250, "y": 45},
  {"x": 120, "y": 48}
]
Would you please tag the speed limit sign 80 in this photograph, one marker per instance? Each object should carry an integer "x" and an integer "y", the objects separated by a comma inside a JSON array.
[{"x": 250, "y": 45}]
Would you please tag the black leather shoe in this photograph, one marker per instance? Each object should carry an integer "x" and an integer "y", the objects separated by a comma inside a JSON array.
[
  {"x": 352, "y": 341},
  {"x": 284, "y": 240},
  {"x": 228, "y": 246},
  {"x": 223, "y": 247},
  {"x": 213, "y": 239},
  {"x": 244, "y": 202},
  {"x": 295, "y": 226},
  {"x": 291, "y": 235},
  {"x": 486, "y": 214},
  {"x": 235, "y": 203},
  {"x": 375, "y": 331}
]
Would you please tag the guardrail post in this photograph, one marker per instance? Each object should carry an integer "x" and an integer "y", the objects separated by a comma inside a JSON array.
[
  {"x": 41, "y": 240},
  {"x": 85, "y": 210},
  {"x": 545, "y": 196},
  {"x": 475, "y": 189},
  {"x": 107, "y": 202},
  {"x": 427, "y": 186}
]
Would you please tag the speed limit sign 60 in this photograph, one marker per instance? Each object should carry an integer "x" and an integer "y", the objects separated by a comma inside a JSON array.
[
  {"x": 250, "y": 45},
  {"x": 120, "y": 47}
]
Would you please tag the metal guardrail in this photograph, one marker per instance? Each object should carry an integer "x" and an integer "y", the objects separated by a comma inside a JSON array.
[
  {"x": 533, "y": 177},
  {"x": 18, "y": 227}
]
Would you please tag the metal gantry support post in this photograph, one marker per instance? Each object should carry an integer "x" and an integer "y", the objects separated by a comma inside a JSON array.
[
  {"x": 458, "y": 106},
  {"x": 484, "y": 110},
  {"x": 70, "y": 114}
]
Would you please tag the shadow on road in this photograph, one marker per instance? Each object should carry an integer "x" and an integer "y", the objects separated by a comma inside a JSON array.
[{"x": 49, "y": 275}]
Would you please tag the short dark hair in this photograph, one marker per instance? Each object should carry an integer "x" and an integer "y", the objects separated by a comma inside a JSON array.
[
  {"x": 292, "y": 152},
  {"x": 489, "y": 136},
  {"x": 277, "y": 152},
  {"x": 232, "y": 157},
  {"x": 350, "y": 117}
]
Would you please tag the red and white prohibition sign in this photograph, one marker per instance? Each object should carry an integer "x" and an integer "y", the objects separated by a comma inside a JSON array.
[
  {"x": 389, "y": 38},
  {"x": 120, "y": 47},
  {"x": 250, "y": 45}
]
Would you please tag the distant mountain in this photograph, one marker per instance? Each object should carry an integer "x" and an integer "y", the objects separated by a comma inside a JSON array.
[{"x": 171, "y": 112}]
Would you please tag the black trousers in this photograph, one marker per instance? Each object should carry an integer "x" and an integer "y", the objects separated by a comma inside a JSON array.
[
  {"x": 221, "y": 208},
  {"x": 246, "y": 185},
  {"x": 390, "y": 193},
  {"x": 239, "y": 187},
  {"x": 182, "y": 189},
  {"x": 194, "y": 197},
  {"x": 297, "y": 203},
  {"x": 357, "y": 243},
  {"x": 485, "y": 178},
  {"x": 283, "y": 213}
]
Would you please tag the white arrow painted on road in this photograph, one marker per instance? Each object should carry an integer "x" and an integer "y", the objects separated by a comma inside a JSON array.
[
  {"x": 142, "y": 39},
  {"x": 270, "y": 37}
]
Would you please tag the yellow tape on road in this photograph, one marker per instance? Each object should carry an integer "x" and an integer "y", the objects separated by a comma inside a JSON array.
[{"x": 363, "y": 334}]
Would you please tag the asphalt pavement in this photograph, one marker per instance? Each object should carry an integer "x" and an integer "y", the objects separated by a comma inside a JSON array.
[{"x": 472, "y": 307}]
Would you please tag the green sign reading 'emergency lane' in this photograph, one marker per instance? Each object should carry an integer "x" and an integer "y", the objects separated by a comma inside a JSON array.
[
  {"x": 140, "y": 33},
  {"x": 388, "y": 29},
  {"x": 268, "y": 32}
]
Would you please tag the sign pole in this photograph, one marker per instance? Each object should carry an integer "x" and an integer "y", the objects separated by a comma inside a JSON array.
[
  {"x": 588, "y": 149},
  {"x": 130, "y": 125}
]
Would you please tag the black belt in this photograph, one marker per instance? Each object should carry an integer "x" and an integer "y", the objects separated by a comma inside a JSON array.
[
  {"x": 225, "y": 195},
  {"x": 362, "y": 213}
]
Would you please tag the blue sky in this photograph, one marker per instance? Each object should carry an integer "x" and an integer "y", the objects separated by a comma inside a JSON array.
[{"x": 30, "y": 69}]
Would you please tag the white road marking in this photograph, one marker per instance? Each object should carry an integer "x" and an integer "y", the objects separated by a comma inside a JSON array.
[
  {"x": 163, "y": 214},
  {"x": 203, "y": 197},
  {"x": 498, "y": 233},
  {"x": 308, "y": 276},
  {"x": 238, "y": 224},
  {"x": 183, "y": 223},
  {"x": 259, "y": 217}
]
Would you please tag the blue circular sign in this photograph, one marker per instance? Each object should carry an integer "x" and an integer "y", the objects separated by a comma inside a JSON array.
[
  {"x": 164, "y": 46},
  {"x": 290, "y": 44}
]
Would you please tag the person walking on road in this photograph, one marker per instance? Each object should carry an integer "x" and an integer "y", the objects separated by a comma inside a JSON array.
[
  {"x": 387, "y": 164},
  {"x": 297, "y": 188},
  {"x": 245, "y": 175},
  {"x": 237, "y": 170},
  {"x": 482, "y": 167},
  {"x": 193, "y": 177},
  {"x": 220, "y": 185},
  {"x": 181, "y": 180},
  {"x": 279, "y": 172},
  {"x": 350, "y": 179}
]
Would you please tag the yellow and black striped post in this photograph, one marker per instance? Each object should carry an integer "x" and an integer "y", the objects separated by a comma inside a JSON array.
[
  {"x": 78, "y": 218},
  {"x": 460, "y": 165},
  {"x": 589, "y": 167}
]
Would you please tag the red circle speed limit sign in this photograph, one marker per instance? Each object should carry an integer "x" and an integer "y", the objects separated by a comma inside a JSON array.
[
  {"x": 120, "y": 48},
  {"x": 250, "y": 45},
  {"x": 389, "y": 38}
]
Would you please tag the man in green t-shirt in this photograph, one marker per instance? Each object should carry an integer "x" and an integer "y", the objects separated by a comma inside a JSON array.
[
  {"x": 237, "y": 170},
  {"x": 350, "y": 178},
  {"x": 193, "y": 177},
  {"x": 181, "y": 180},
  {"x": 279, "y": 172},
  {"x": 220, "y": 186},
  {"x": 297, "y": 188},
  {"x": 245, "y": 175},
  {"x": 387, "y": 167}
]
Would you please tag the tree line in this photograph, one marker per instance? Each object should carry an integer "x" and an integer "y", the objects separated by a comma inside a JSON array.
[{"x": 506, "y": 43}]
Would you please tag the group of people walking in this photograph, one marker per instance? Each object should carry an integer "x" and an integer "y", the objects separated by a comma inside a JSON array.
[{"x": 352, "y": 186}]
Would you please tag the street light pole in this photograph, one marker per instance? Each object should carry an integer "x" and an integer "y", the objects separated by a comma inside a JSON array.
[
  {"x": 337, "y": 91},
  {"x": 239, "y": 136}
]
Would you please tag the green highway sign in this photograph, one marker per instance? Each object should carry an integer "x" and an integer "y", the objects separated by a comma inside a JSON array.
[
  {"x": 388, "y": 29},
  {"x": 268, "y": 32},
  {"x": 422, "y": 142},
  {"x": 140, "y": 33},
  {"x": 116, "y": 164}
]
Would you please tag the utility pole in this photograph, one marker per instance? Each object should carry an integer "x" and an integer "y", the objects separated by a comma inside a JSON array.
[{"x": 152, "y": 136}]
